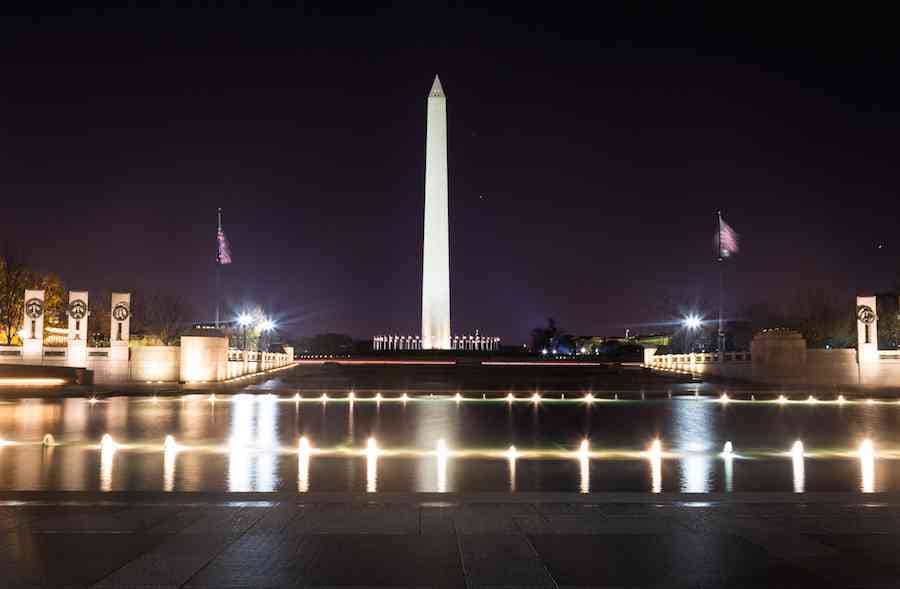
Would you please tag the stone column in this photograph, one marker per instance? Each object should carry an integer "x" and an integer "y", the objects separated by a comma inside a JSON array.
[
  {"x": 32, "y": 333},
  {"x": 77, "y": 337},
  {"x": 866, "y": 330},
  {"x": 119, "y": 326}
]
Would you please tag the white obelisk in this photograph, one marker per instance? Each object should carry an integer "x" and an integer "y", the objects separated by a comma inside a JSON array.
[{"x": 436, "y": 260}]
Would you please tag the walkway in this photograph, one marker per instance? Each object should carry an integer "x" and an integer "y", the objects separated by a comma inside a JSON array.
[{"x": 552, "y": 540}]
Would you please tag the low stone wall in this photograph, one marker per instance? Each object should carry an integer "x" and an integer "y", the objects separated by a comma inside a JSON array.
[
  {"x": 812, "y": 367},
  {"x": 155, "y": 363}
]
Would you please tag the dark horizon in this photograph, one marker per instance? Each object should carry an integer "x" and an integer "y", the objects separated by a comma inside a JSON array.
[{"x": 588, "y": 156}]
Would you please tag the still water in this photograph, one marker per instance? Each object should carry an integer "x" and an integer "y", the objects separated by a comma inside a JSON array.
[{"x": 264, "y": 442}]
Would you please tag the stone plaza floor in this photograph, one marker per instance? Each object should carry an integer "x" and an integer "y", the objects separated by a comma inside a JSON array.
[{"x": 422, "y": 540}]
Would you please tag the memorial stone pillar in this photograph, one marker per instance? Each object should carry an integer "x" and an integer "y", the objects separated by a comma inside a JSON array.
[
  {"x": 866, "y": 330},
  {"x": 120, "y": 326},
  {"x": 76, "y": 340},
  {"x": 32, "y": 333}
]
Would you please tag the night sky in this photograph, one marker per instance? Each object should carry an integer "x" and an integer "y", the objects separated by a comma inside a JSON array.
[{"x": 588, "y": 155}]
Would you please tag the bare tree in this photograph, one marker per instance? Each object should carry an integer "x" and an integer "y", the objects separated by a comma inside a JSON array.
[
  {"x": 14, "y": 279},
  {"x": 163, "y": 315}
]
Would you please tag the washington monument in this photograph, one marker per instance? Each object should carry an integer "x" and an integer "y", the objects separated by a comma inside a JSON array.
[{"x": 436, "y": 259}]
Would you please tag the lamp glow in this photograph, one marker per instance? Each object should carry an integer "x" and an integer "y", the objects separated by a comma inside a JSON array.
[
  {"x": 692, "y": 322},
  {"x": 404, "y": 397},
  {"x": 107, "y": 443},
  {"x": 781, "y": 400},
  {"x": 727, "y": 450},
  {"x": 584, "y": 450},
  {"x": 535, "y": 398},
  {"x": 589, "y": 398},
  {"x": 510, "y": 398},
  {"x": 47, "y": 441},
  {"x": 512, "y": 453},
  {"x": 169, "y": 445}
]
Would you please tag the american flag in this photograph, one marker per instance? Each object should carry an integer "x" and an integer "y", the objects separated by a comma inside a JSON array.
[
  {"x": 223, "y": 255},
  {"x": 726, "y": 239}
]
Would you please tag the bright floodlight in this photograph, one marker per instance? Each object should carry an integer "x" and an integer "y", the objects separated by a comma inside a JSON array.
[
  {"x": 244, "y": 320},
  {"x": 267, "y": 325},
  {"x": 691, "y": 321},
  {"x": 797, "y": 449}
]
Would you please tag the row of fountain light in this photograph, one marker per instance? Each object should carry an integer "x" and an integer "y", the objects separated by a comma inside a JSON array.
[
  {"x": 866, "y": 449},
  {"x": 537, "y": 398}
]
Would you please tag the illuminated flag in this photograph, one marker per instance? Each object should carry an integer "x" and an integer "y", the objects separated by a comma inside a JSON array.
[
  {"x": 726, "y": 239},
  {"x": 223, "y": 255}
]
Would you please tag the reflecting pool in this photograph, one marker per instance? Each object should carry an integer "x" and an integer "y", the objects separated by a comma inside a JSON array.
[{"x": 449, "y": 443}]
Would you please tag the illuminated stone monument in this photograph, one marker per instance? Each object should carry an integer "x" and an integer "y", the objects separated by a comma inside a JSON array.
[
  {"x": 866, "y": 330},
  {"x": 77, "y": 338},
  {"x": 436, "y": 258},
  {"x": 119, "y": 326},
  {"x": 32, "y": 333}
]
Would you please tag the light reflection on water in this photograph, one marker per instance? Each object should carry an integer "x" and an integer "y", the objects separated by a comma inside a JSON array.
[{"x": 250, "y": 443}]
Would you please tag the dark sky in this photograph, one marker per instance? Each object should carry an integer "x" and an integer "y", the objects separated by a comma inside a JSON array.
[{"x": 588, "y": 154}]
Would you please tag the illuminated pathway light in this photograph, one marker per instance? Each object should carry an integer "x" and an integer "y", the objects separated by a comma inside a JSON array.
[
  {"x": 510, "y": 398},
  {"x": 781, "y": 400},
  {"x": 512, "y": 453},
  {"x": 589, "y": 398},
  {"x": 441, "y": 449},
  {"x": 870, "y": 401},
  {"x": 324, "y": 398},
  {"x": 535, "y": 398},
  {"x": 458, "y": 397},
  {"x": 169, "y": 444},
  {"x": 841, "y": 399},
  {"x": 351, "y": 396},
  {"x": 92, "y": 400},
  {"x": 811, "y": 399},
  {"x": 378, "y": 397},
  {"x": 297, "y": 398},
  {"x": 724, "y": 398},
  {"x": 371, "y": 446},
  {"x": 797, "y": 449},
  {"x": 727, "y": 450},
  {"x": 303, "y": 446},
  {"x": 31, "y": 382},
  {"x": 404, "y": 397},
  {"x": 212, "y": 398},
  {"x": 584, "y": 450},
  {"x": 48, "y": 440},
  {"x": 655, "y": 450},
  {"x": 107, "y": 443}
]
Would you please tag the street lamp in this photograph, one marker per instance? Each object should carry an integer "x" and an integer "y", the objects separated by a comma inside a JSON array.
[{"x": 692, "y": 322}]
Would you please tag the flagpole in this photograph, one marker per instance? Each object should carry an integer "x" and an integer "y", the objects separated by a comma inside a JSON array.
[
  {"x": 721, "y": 338},
  {"x": 218, "y": 266}
]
